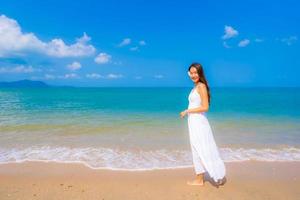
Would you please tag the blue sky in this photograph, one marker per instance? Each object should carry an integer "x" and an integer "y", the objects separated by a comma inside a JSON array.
[{"x": 150, "y": 43}]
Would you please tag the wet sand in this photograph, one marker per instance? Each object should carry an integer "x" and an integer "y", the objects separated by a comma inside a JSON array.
[{"x": 245, "y": 180}]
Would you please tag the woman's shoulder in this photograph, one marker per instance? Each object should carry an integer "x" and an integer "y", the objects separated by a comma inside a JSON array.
[{"x": 200, "y": 86}]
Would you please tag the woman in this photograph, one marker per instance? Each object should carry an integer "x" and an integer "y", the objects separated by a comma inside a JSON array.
[{"x": 204, "y": 150}]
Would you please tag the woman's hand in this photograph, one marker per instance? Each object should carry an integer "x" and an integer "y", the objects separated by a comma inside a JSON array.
[{"x": 183, "y": 113}]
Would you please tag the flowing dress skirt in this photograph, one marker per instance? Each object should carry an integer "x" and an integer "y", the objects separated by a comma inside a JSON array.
[{"x": 206, "y": 156}]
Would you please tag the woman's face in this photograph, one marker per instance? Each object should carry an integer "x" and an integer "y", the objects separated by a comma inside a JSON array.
[{"x": 194, "y": 75}]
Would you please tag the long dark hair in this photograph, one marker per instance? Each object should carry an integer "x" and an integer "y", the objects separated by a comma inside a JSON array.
[{"x": 202, "y": 78}]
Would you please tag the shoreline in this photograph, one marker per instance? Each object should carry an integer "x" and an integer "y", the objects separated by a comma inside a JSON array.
[
  {"x": 52, "y": 180},
  {"x": 138, "y": 169}
]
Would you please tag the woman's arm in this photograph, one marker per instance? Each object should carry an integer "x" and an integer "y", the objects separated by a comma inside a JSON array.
[{"x": 202, "y": 90}]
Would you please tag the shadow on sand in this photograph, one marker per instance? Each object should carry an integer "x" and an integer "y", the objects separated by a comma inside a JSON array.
[{"x": 221, "y": 182}]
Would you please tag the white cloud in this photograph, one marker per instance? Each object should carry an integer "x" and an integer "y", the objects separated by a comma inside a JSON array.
[
  {"x": 103, "y": 58},
  {"x": 158, "y": 76},
  {"x": 76, "y": 76},
  {"x": 70, "y": 76},
  {"x": 108, "y": 76},
  {"x": 58, "y": 48},
  {"x": 94, "y": 76},
  {"x": 142, "y": 43},
  {"x": 19, "y": 69},
  {"x": 290, "y": 40},
  {"x": 74, "y": 66},
  {"x": 52, "y": 77},
  {"x": 45, "y": 77},
  {"x": 128, "y": 41},
  {"x": 226, "y": 45},
  {"x": 134, "y": 48},
  {"x": 125, "y": 42},
  {"x": 258, "y": 40},
  {"x": 114, "y": 76},
  {"x": 14, "y": 41},
  {"x": 244, "y": 43},
  {"x": 230, "y": 32}
]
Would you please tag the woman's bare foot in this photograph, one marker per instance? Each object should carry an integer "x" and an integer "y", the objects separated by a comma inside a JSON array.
[{"x": 196, "y": 182}]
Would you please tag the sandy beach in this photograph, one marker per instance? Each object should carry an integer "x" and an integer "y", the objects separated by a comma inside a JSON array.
[{"x": 245, "y": 180}]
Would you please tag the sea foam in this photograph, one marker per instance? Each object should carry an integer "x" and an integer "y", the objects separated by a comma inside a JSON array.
[{"x": 117, "y": 159}]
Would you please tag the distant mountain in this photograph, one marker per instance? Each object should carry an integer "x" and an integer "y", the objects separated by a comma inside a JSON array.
[{"x": 24, "y": 83}]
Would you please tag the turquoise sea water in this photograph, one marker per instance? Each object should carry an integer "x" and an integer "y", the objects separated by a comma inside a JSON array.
[{"x": 140, "y": 128}]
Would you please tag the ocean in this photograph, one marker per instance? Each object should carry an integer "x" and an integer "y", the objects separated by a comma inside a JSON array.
[{"x": 140, "y": 128}]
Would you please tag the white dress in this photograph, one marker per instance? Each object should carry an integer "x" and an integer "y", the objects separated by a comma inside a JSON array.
[{"x": 205, "y": 152}]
